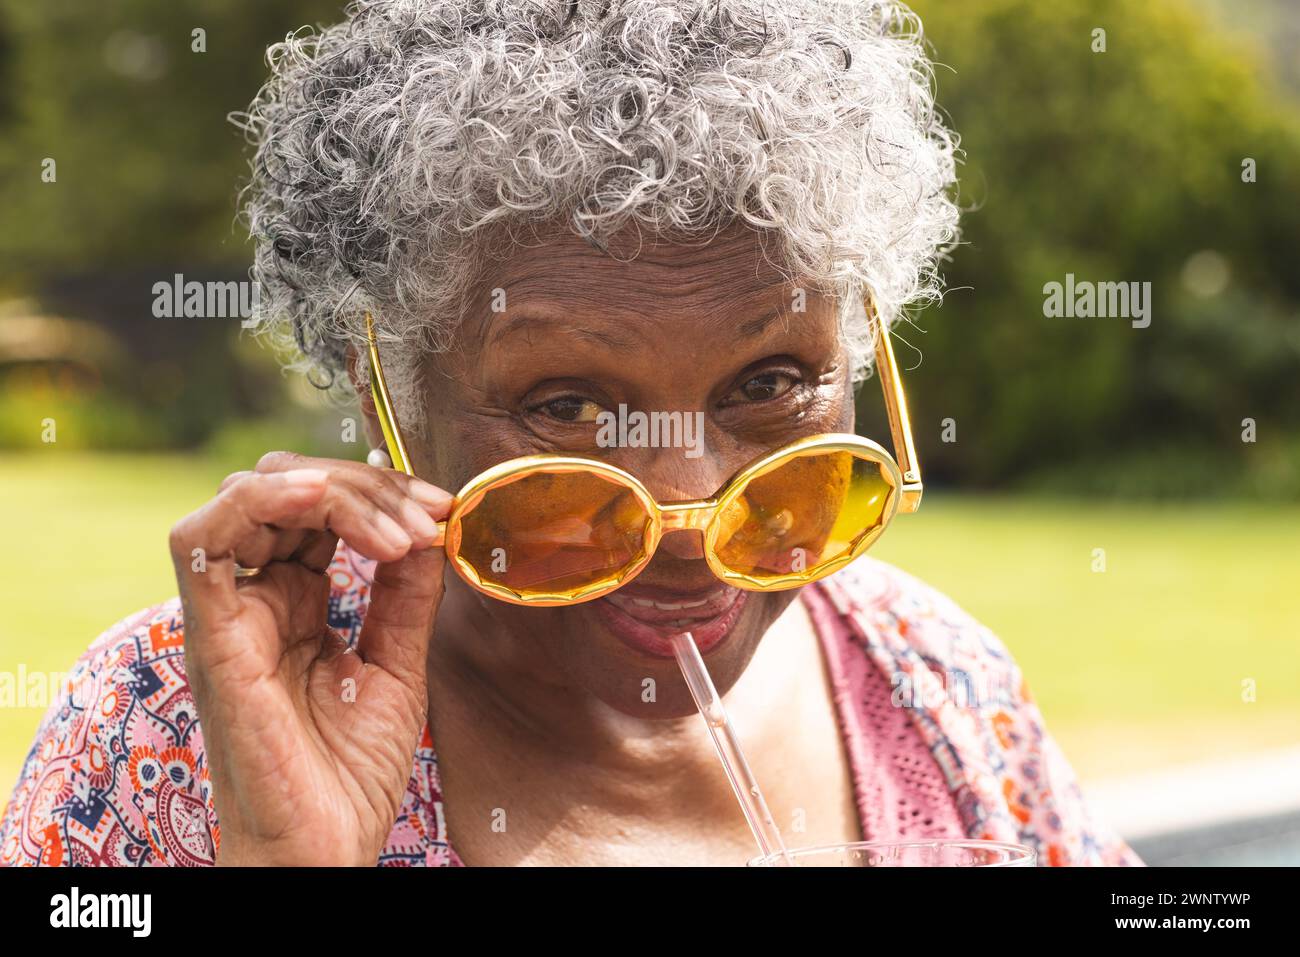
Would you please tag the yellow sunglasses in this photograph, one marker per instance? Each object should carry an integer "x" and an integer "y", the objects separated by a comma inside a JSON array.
[{"x": 557, "y": 529}]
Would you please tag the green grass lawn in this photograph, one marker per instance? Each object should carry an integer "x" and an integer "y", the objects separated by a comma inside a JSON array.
[
  {"x": 1141, "y": 664},
  {"x": 1145, "y": 662},
  {"x": 86, "y": 546}
]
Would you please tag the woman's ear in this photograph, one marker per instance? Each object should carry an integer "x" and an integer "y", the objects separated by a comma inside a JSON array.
[{"x": 365, "y": 402}]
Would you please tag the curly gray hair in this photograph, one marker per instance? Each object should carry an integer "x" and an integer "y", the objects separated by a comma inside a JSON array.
[{"x": 395, "y": 148}]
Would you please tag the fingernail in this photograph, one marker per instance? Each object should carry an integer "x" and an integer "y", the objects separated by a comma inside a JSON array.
[
  {"x": 302, "y": 478},
  {"x": 391, "y": 532},
  {"x": 428, "y": 495}
]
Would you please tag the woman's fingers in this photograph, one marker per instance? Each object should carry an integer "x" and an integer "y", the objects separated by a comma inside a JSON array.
[
  {"x": 204, "y": 544},
  {"x": 298, "y": 515},
  {"x": 398, "y": 627},
  {"x": 406, "y": 499},
  {"x": 378, "y": 530},
  {"x": 232, "y": 478},
  {"x": 378, "y": 512},
  {"x": 317, "y": 550},
  {"x": 382, "y": 533},
  {"x": 270, "y": 544},
  {"x": 280, "y": 514},
  {"x": 265, "y": 666}
]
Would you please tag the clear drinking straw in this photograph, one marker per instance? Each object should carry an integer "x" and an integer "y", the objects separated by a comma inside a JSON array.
[{"x": 728, "y": 748}]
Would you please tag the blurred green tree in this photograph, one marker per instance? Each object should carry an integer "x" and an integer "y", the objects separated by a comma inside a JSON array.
[
  {"x": 1121, "y": 165},
  {"x": 148, "y": 168},
  {"x": 118, "y": 169},
  {"x": 1117, "y": 166}
]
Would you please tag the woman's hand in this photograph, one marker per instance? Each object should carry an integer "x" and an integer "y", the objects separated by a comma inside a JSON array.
[{"x": 310, "y": 745}]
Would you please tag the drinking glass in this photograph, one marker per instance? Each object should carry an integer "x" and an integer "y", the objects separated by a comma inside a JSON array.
[{"x": 943, "y": 853}]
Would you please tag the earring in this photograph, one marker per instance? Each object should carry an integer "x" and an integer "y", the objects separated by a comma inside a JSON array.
[{"x": 378, "y": 458}]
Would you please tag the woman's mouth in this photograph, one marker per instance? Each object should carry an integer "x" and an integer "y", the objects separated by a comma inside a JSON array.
[{"x": 645, "y": 617}]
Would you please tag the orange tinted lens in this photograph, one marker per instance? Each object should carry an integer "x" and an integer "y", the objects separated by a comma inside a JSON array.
[
  {"x": 811, "y": 510},
  {"x": 553, "y": 533}
]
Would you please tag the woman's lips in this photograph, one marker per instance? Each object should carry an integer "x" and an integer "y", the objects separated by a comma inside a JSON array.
[{"x": 645, "y": 617}]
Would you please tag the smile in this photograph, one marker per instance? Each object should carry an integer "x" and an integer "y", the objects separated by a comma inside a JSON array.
[{"x": 645, "y": 617}]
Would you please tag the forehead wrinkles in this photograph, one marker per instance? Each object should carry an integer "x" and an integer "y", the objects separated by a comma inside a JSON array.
[{"x": 714, "y": 285}]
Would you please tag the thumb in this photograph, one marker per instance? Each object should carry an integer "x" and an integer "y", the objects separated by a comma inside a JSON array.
[{"x": 398, "y": 626}]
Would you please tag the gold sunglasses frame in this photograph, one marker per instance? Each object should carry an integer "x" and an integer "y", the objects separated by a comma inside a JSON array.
[{"x": 903, "y": 478}]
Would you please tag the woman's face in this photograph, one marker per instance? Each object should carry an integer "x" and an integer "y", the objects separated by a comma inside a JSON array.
[{"x": 707, "y": 329}]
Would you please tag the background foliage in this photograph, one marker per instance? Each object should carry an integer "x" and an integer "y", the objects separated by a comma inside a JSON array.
[{"x": 1117, "y": 166}]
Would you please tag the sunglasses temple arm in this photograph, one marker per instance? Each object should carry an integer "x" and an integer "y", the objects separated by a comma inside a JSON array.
[
  {"x": 384, "y": 411},
  {"x": 900, "y": 425},
  {"x": 384, "y": 405}
]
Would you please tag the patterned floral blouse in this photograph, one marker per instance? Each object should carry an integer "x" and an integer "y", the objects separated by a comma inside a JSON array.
[{"x": 942, "y": 736}]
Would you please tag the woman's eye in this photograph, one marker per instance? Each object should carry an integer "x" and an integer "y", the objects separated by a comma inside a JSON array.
[
  {"x": 571, "y": 408},
  {"x": 769, "y": 385}
]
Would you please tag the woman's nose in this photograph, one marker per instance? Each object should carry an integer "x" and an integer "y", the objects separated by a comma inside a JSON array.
[
  {"x": 686, "y": 543},
  {"x": 679, "y": 482}
]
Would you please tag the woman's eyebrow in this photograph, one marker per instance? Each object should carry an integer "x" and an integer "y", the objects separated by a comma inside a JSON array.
[
  {"x": 757, "y": 326},
  {"x": 528, "y": 322}
]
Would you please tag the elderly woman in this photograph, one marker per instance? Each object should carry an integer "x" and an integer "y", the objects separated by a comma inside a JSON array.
[{"x": 547, "y": 217}]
